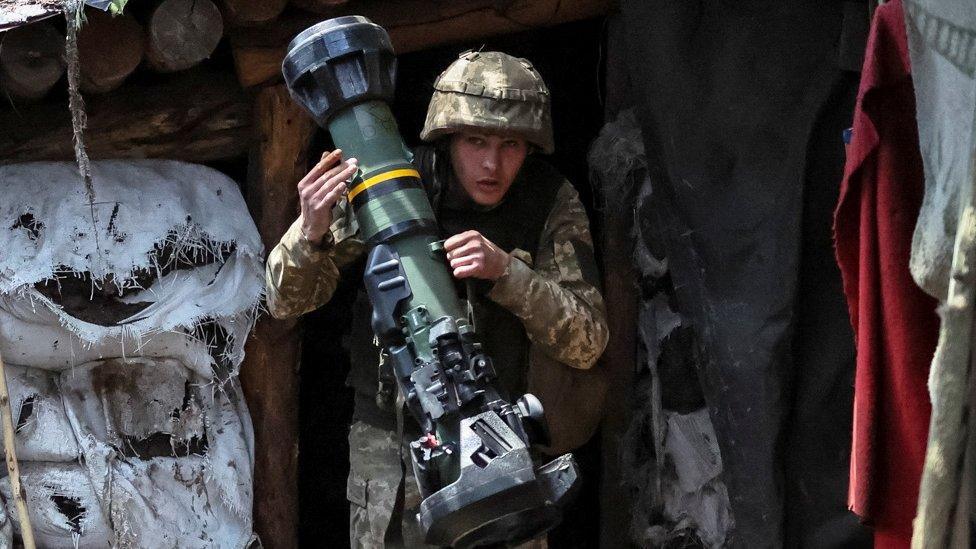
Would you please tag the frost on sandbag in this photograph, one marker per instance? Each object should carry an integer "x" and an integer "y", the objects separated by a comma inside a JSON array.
[
  {"x": 41, "y": 426},
  {"x": 123, "y": 325},
  {"x": 61, "y": 505},
  {"x": 171, "y": 248}
]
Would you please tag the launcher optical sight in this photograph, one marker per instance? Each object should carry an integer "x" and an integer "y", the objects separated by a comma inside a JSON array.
[{"x": 472, "y": 462}]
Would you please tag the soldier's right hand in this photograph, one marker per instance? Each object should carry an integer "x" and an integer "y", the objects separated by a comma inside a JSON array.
[{"x": 320, "y": 189}]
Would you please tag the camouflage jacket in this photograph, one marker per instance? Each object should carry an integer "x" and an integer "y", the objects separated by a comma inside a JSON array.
[{"x": 563, "y": 314}]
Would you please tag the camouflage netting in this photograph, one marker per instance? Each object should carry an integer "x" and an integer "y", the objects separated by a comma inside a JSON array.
[
  {"x": 122, "y": 340},
  {"x": 670, "y": 454}
]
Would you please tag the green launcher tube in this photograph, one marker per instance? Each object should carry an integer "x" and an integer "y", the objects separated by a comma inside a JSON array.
[{"x": 391, "y": 205}]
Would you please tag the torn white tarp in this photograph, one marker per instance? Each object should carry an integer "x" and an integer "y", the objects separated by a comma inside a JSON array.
[
  {"x": 695, "y": 496},
  {"x": 671, "y": 460},
  {"x": 123, "y": 325}
]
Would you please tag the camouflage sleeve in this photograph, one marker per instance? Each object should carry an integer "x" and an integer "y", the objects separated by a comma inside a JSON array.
[
  {"x": 301, "y": 276},
  {"x": 558, "y": 297}
]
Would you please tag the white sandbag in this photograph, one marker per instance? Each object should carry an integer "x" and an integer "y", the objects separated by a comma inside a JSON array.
[
  {"x": 63, "y": 509},
  {"x": 151, "y": 215},
  {"x": 139, "y": 203},
  {"x": 135, "y": 323},
  {"x": 122, "y": 402},
  {"x": 32, "y": 334},
  {"x": 42, "y": 431},
  {"x": 134, "y": 418},
  {"x": 179, "y": 491}
]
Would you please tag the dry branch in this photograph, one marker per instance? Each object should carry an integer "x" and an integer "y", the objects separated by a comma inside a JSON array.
[
  {"x": 197, "y": 117},
  {"x": 13, "y": 469}
]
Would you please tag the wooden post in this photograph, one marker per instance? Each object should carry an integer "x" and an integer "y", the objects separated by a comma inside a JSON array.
[
  {"x": 269, "y": 374},
  {"x": 622, "y": 297}
]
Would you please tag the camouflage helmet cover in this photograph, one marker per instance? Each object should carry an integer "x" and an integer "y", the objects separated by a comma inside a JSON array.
[{"x": 494, "y": 91}]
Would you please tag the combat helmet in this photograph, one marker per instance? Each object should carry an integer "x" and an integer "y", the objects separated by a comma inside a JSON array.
[{"x": 494, "y": 91}]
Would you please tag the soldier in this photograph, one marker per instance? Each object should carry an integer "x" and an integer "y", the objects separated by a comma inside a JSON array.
[{"x": 516, "y": 229}]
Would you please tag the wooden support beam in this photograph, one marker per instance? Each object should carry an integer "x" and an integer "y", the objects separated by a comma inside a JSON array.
[
  {"x": 269, "y": 374},
  {"x": 318, "y": 6},
  {"x": 413, "y": 25},
  {"x": 619, "y": 361},
  {"x": 109, "y": 50},
  {"x": 243, "y": 13},
  {"x": 197, "y": 117},
  {"x": 622, "y": 295},
  {"x": 182, "y": 33},
  {"x": 31, "y": 60}
]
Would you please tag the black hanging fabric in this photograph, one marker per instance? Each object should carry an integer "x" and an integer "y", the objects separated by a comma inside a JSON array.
[{"x": 741, "y": 105}]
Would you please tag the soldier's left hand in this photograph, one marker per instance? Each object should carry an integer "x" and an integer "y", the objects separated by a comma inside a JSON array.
[{"x": 473, "y": 256}]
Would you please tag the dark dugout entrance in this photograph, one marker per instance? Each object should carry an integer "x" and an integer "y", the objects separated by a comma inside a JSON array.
[
  {"x": 743, "y": 108},
  {"x": 570, "y": 59}
]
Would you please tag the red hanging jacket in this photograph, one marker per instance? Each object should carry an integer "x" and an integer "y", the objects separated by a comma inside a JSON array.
[{"x": 895, "y": 323}]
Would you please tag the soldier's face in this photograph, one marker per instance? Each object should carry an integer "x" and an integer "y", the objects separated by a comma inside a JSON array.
[{"x": 486, "y": 163}]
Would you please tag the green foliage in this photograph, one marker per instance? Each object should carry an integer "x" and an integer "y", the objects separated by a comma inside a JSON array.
[{"x": 117, "y": 6}]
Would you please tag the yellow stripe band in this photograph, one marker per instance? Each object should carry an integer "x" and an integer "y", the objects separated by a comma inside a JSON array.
[{"x": 377, "y": 179}]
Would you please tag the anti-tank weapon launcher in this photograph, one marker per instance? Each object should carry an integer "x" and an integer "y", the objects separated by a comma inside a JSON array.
[{"x": 472, "y": 463}]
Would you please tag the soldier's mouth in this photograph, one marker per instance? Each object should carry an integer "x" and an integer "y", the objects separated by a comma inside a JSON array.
[{"x": 488, "y": 185}]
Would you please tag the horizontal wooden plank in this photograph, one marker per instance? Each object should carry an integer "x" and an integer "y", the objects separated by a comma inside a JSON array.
[
  {"x": 195, "y": 116},
  {"x": 413, "y": 25}
]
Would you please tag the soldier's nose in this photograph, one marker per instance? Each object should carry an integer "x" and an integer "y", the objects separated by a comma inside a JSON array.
[{"x": 490, "y": 161}]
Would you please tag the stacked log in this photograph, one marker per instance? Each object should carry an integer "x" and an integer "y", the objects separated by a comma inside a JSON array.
[
  {"x": 182, "y": 33},
  {"x": 179, "y": 35},
  {"x": 325, "y": 7},
  {"x": 31, "y": 60},
  {"x": 413, "y": 25},
  {"x": 109, "y": 50},
  {"x": 197, "y": 116},
  {"x": 250, "y": 12}
]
